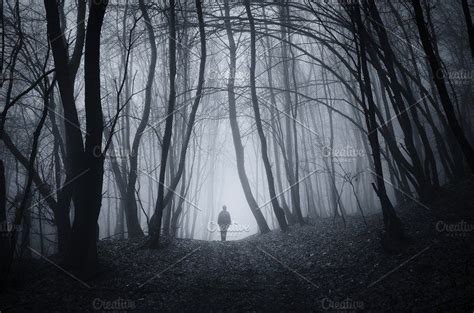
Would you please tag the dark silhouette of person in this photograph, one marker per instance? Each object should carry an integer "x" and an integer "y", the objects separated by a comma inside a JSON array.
[{"x": 224, "y": 222}]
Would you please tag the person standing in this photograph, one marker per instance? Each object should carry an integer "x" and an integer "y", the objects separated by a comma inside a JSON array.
[{"x": 224, "y": 222}]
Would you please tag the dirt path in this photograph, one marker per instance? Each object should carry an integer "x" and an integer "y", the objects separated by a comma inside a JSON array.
[{"x": 229, "y": 277}]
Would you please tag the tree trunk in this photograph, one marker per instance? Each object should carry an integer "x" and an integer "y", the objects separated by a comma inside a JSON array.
[
  {"x": 289, "y": 159},
  {"x": 239, "y": 149},
  {"x": 82, "y": 253},
  {"x": 74, "y": 142},
  {"x": 163, "y": 200},
  {"x": 279, "y": 213},
  {"x": 133, "y": 224},
  {"x": 469, "y": 25},
  {"x": 394, "y": 234},
  {"x": 438, "y": 77},
  {"x": 4, "y": 242},
  {"x": 274, "y": 120}
]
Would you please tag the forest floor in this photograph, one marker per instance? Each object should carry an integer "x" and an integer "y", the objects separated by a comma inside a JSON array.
[{"x": 319, "y": 267}]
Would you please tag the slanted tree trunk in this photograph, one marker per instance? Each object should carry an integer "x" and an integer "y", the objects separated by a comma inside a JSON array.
[
  {"x": 274, "y": 121},
  {"x": 438, "y": 78},
  {"x": 391, "y": 83},
  {"x": 394, "y": 236},
  {"x": 444, "y": 156},
  {"x": 156, "y": 219},
  {"x": 279, "y": 213},
  {"x": 239, "y": 149},
  {"x": 470, "y": 27},
  {"x": 133, "y": 224},
  {"x": 22, "y": 214},
  {"x": 179, "y": 207}
]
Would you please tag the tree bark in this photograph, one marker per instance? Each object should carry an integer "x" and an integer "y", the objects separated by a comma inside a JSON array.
[{"x": 82, "y": 253}]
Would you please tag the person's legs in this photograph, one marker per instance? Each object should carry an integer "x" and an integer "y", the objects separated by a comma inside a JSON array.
[{"x": 222, "y": 232}]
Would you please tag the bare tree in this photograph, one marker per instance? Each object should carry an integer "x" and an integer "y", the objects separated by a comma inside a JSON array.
[
  {"x": 279, "y": 213},
  {"x": 439, "y": 80},
  {"x": 236, "y": 136}
]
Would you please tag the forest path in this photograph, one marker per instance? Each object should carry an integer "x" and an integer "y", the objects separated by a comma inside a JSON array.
[
  {"x": 318, "y": 267},
  {"x": 227, "y": 276}
]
